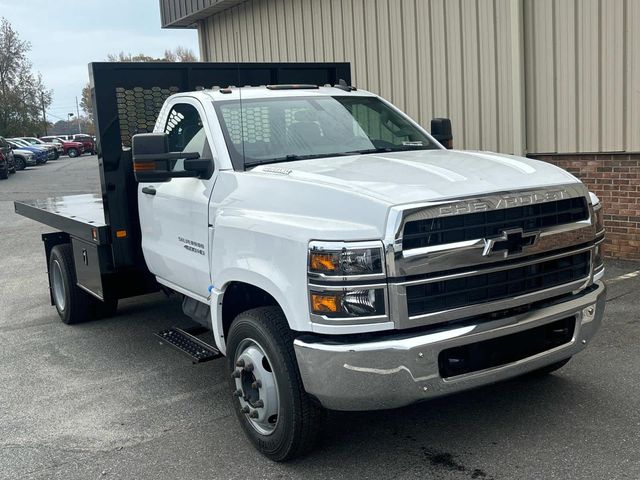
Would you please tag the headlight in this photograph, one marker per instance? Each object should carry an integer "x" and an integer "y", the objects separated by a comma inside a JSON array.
[
  {"x": 347, "y": 282},
  {"x": 355, "y": 302},
  {"x": 345, "y": 260}
]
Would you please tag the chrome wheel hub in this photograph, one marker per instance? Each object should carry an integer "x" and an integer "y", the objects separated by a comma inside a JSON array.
[{"x": 256, "y": 387}]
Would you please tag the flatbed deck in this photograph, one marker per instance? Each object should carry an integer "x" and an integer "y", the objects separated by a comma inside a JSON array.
[{"x": 80, "y": 216}]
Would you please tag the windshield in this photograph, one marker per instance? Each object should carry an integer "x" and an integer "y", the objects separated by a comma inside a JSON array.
[
  {"x": 17, "y": 141},
  {"x": 295, "y": 128}
]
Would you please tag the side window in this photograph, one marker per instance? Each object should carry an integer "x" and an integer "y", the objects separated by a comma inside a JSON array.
[{"x": 185, "y": 131}]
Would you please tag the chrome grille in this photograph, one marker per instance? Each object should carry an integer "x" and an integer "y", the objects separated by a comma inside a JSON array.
[
  {"x": 475, "y": 289},
  {"x": 458, "y": 228}
]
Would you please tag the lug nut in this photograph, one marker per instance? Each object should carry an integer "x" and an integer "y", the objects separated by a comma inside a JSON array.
[
  {"x": 256, "y": 385},
  {"x": 258, "y": 404},
  {"x": 253, "y": 414},
  {"x": 237, "y": 393},
  {"x": 248, "y": 367},
  {"x": 245, "y": 409},
  {"x": 235, "y": 374},
  {"x": 240, "y": 363}
]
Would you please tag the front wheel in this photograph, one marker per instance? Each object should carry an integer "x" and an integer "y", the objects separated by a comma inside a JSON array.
[
  {"x": 72, "y": 152},
  {"x": 20, "y": 163},
  {"x": 277, "y": 415}
]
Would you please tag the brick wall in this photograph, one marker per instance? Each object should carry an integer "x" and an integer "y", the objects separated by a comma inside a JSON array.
[{"x": 616, "y": 180}]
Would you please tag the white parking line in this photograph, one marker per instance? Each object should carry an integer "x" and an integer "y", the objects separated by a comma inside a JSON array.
[{"x": 620, "y": 278}]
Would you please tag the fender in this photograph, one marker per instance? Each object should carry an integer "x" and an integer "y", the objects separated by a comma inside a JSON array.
[{"x": 265, "y": 277}]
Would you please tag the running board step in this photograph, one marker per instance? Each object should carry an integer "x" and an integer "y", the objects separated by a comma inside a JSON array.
[{"x": 194, "y": 348}]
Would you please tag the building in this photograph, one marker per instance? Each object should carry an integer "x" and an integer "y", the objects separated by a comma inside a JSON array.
[{"x": 553, "y": 79}]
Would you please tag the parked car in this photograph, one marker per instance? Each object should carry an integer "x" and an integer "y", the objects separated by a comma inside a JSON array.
[
  {"x": 73, "y": 149},
  {"x": 50, "y": 151},
  {"x": 23, "y": 158},
  {"x": 36, "y": 141},
  {"x": 87, "y": 141},
  {"x": 41, "y": 154},
  {"x": 7, "y": 164}
]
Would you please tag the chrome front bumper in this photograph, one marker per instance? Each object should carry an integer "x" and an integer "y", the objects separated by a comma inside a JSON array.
[{"x": 401, "y": 370}]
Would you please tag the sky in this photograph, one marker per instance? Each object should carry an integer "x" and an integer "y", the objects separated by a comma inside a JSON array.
[{"x": 66, "y": 35}]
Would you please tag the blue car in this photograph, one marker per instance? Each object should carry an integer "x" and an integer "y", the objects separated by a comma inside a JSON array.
[{"x": 41, "y": 155}]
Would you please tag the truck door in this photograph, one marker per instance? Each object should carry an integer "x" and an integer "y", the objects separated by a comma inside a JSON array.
[{"x": 174, "y": 214}]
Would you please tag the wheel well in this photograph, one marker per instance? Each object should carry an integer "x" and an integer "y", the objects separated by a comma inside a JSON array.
[{"x": 240, "y": 297}]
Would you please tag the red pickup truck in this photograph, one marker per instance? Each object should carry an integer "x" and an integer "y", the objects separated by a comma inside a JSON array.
[{"x": 73, "y": 149}]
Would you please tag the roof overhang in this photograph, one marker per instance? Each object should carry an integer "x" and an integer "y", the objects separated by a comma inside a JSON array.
[{"x": 186, "y": 13}]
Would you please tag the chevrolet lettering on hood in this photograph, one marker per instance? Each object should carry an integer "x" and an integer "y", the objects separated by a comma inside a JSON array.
[{"x": 505, "y": 201}]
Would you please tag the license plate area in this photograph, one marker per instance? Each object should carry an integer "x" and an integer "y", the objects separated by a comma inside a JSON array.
[{"x": 506, "y": 349}]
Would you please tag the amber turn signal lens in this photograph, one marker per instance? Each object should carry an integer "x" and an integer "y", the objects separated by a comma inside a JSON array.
[
  {"x": 324, "y": 303},
  {"x": 144, "y": 166},
  {"x": 323, "y": 262},
  {"x": 121, "y": 233}
]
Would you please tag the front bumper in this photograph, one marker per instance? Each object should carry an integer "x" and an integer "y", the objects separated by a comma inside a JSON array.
[{"x": 401, "y": 370}]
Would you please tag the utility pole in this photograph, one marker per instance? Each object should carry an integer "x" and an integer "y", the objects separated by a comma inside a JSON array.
[
  {"x": 44, "y": 114},
  {"x": 78, "y": 115}
]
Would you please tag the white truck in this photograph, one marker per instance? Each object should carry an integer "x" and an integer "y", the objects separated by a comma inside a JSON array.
[{"x": 341, "y": 256}]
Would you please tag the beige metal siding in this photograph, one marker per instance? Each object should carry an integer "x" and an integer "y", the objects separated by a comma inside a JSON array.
[
  {"x": 454, "y": 58},
  {"x": 582, "y": 75}
]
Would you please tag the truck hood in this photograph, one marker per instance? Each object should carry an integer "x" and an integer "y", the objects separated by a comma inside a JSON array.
[{"x": 423, "y": 175}]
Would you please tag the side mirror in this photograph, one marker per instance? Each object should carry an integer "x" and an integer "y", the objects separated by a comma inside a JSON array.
[
  {"x": 152, "y": 161},
  {"x": 441, "y": 131}
]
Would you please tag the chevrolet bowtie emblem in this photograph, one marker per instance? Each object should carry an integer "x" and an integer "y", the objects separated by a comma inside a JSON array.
[{"x": 511, "y": 242}]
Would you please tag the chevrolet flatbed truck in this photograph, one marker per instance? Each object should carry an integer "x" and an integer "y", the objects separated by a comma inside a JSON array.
[{"x": 341, "y": 257}]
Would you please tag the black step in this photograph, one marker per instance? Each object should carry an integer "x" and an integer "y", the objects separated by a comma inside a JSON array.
[{"x": 197, "y": 350}]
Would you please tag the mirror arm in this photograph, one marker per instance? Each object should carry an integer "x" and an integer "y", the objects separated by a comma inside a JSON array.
[{"x": 150, "y": 157}]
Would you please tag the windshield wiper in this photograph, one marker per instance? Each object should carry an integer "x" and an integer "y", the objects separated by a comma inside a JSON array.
[
  {"x": 293, "y": 158},
  {"x": 399, "y": 148}
]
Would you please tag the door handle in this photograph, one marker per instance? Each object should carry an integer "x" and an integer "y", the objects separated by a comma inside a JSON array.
[{"x": 149, "y": 190}]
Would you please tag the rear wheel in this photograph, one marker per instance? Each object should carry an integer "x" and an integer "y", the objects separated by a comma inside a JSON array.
[
  {"x": 275, "y": 412},
  {"x": 74, "y": 305},
  {"x": 72, "y": 152}
]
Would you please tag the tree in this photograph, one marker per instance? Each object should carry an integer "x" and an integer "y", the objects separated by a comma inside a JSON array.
[
  {"x": 180, "y": 54},
  {"x": 23, "y": 95}
]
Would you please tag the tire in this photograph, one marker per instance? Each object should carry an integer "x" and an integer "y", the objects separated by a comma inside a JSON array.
[
  {"x": 263, "y": 333},
  {"x": 13, "y": 169},
  {"x": 551, "y": 368},
  {"x": 21, "y": 164},
  {"x": 72, "y": 152},
  {"x": 74, "y": 305}
]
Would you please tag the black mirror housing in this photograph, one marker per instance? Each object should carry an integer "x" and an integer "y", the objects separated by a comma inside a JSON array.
[
  {"x": 441, "y": 131},
  {"x": 148, "y": 151},
  {"x": 152, "y": 161}
]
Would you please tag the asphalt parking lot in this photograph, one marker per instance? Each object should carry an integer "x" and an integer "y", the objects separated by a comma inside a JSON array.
[{"x": 105, "y": 400}]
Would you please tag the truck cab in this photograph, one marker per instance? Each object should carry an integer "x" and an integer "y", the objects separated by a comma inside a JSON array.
[{"x": 341, "y": 256}]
